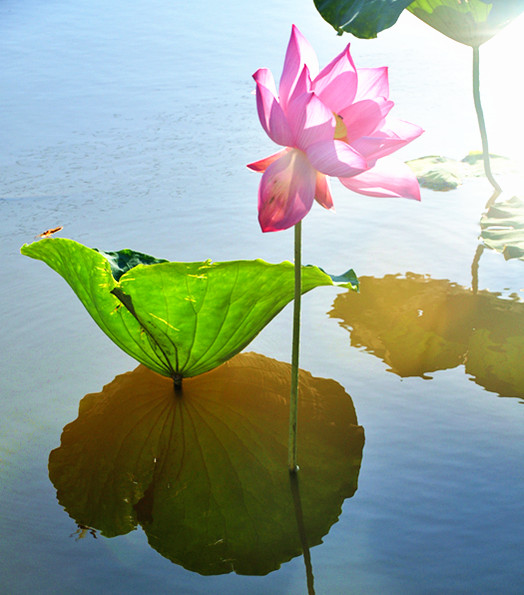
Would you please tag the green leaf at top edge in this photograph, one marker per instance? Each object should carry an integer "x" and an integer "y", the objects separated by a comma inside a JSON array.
[
  {"x": 179, "y": 319},
  {"x": 470, "y": 22},
  {"x": 362, "y": 18}
]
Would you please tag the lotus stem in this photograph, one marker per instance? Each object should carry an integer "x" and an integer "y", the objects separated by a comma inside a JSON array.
[
  {"x": 480, "y": 118},
  {"x": 293, "y": 399}
]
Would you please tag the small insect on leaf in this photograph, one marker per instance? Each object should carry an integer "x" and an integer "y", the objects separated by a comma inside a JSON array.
[{"x": 49, "y": 232}]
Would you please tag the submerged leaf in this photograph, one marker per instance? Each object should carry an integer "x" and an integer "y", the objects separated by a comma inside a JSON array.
[
  {"x": 471, "y": 22},
  {"x": 362, "y": 18},
  {"x": 204, "y": 472},
  {"x": 180, "y": 319}
]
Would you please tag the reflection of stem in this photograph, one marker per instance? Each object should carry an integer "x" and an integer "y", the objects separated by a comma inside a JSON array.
[
  {"x": 492, "y": 199},
  {"x": 480, "y": 248},
  {"x": 475, "y": 269},
  {"x": 293, "y": 400},
  {"x": 293, "y": 480},
  {"x": 480, "y": 118}
]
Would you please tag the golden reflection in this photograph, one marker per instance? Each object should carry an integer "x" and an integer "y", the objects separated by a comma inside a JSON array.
[
  {"x": 419, "y": 325},
  {"x": 203, "y": 470}
]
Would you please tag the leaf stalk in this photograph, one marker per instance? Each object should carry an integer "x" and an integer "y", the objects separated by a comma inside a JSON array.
[{"x": 480, "y": 118}]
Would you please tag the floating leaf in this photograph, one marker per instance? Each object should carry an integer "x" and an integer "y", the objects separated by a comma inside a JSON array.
[
  {"x": 204, "y": 472},
  {"x": 442, "y": 173},
  {"x": 178, "y": 318},
  {"x": 503, "y": 228},
  {"x": 437, "y": 172},
  {"x": 474, "y": 165},
  {"x": 362, "y": 18},
  {"x": 471, "y": 22},
  {"x": 418, "y": 325}
]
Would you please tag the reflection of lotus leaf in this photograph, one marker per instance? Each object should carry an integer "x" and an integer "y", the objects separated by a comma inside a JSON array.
[
  {"x": 419, "y": 325},
  {"x": 497, "y": 365},
  {"x": 204, "y": 471},
  {"x": 503, "y": 228}
]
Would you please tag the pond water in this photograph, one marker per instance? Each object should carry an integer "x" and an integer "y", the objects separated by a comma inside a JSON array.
[{"x": 130, "y": 125}]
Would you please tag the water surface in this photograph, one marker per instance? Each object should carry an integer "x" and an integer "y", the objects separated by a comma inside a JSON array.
[{"x": 131, "y": 127}]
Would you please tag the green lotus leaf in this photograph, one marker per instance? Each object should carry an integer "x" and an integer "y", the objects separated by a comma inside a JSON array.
[
  {"x": 503, "y": 228},
  {"x": 178, "y": 318},
  {"x": 471, "y": 22},
  {"x": 362, "y": 18},
  {"x": 204, "y": 472}
]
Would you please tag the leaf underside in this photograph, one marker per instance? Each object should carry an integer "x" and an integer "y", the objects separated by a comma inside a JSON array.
[{"x": 471, "y": 23}]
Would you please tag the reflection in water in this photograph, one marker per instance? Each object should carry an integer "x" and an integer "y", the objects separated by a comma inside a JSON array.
[
  {"x": 204, "y": 471},
  {"x": 302, "y": 534},
  {"x": 418, "y": 325},
  {"x": 480, "y": 247}
]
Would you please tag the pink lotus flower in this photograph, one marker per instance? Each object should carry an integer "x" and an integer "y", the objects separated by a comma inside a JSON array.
[{"x": 333, "y": 123}]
